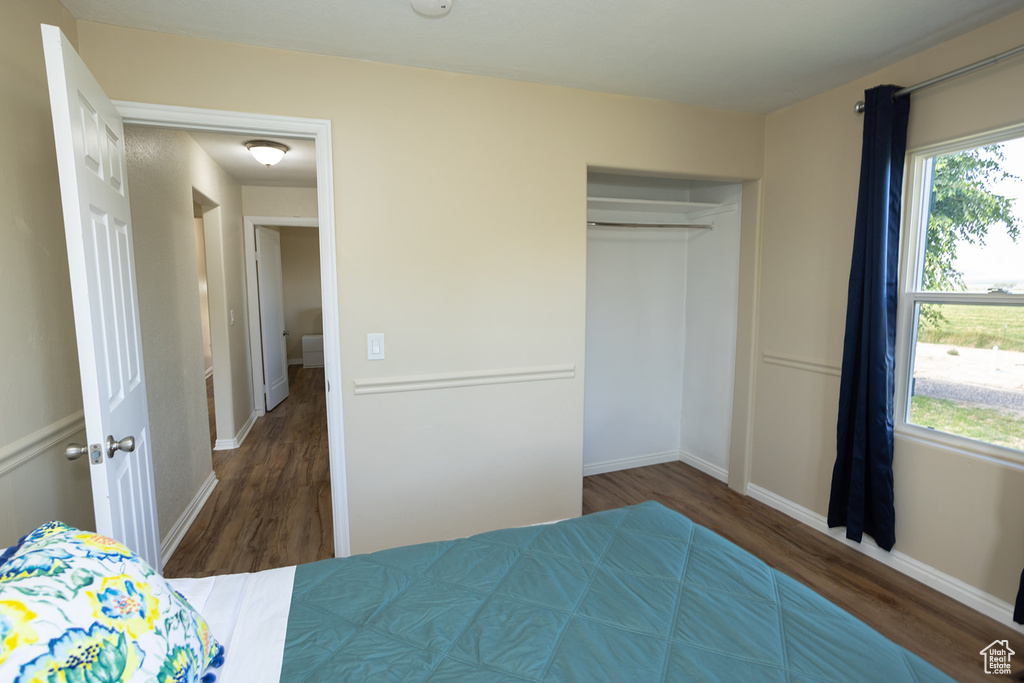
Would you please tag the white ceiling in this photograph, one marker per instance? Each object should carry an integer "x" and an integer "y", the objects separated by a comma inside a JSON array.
[
  {"x": 297, "y": 169},
  {"x": 748, "y": 55}
]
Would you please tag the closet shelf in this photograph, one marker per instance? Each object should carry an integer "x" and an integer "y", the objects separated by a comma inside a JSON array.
[
  {"x": 617, "y": 224},
  {"x": 646, "y": 205},
  {"x": 627, "y": 212}
]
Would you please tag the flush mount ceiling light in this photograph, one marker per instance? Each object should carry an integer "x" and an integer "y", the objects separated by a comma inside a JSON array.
[
  {"x": 432, "y": 8},
  {"x": 266, "y": 152}
]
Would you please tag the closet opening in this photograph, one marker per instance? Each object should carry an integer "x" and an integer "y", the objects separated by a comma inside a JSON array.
[{"x": 662, "y": 300}]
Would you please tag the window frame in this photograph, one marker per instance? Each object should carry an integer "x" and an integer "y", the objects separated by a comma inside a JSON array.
[{"x": 916, "y": 195}]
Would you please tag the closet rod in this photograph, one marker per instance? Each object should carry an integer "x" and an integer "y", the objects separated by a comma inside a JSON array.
[
  {"x": 606, "y": 224},
  {"x": 903, "y": 92}
]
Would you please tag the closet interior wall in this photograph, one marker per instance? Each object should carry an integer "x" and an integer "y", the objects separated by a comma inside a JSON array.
[{"x": 661, "y": 322}]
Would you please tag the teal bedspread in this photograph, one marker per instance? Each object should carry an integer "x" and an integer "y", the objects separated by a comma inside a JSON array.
[{"x": 634, "y": 594}]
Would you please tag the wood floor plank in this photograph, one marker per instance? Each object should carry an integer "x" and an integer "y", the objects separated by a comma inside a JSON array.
[
  {"x": 939, "y": 629},
  {"x": 272, "y": 504},
  {"x": 272, "y": 508}
]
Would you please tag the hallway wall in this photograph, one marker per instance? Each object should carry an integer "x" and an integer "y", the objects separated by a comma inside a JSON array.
[{"x": 160, "y": 181}]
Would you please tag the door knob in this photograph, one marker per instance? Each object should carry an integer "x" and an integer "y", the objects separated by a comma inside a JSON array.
[
  {"x": 127, "y": 444},
  {"x": 75, "y": 451}
]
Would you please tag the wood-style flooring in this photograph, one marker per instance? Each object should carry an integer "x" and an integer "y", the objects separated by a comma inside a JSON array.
[
  {"x": 272, "y": 505},
  {"x": 272, "y": 508},
  {"x": 936, "y": 627}
]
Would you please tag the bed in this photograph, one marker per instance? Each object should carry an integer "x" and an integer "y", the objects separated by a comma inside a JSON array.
[{"x": 634, "y": 594}]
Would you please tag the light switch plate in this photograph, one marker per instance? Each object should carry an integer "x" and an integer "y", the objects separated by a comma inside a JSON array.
[{"x": 375, "y": 346}]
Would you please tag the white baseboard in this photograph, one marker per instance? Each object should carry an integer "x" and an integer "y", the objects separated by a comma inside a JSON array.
[
  {"x": 209, "y": 372},
  {"x": 295, "y": 361},
  {"x": 230, "y": 444},
  {"x": 976, "y": 599},
  {"x": 629, "y": 463},
  {"x": 719, "y": 473},
  {"x": 178, "y": 531},
  {"x": 656, "y": 459}
]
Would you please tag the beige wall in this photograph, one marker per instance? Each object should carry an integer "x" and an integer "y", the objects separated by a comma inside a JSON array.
[
  {"x": 961, "y": 515},
  {"x": 464, "y": 244},
  {"x": 291, "y": 202},
  {"x": 40, "y": 392},
  {"x": 220, "y": 197},
  {"x": 164, "y": 231},
  {"x": 300, "y": 275}
]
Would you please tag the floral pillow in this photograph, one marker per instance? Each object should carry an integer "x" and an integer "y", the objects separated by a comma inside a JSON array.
[{"x": 77, "y": 606}]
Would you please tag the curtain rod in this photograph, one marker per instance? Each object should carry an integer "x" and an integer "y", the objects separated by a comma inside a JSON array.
[
  {"x": 606, "y": 224},
  {"x": 903, "y": 92}
]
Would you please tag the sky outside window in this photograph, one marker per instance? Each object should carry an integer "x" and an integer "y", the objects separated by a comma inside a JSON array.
[{"x": 1000, "y": 260}]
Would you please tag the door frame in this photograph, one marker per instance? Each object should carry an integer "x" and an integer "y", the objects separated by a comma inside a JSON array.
[
  {"x": 318, "y": 130},
  {"x": 249, "y": 225}
]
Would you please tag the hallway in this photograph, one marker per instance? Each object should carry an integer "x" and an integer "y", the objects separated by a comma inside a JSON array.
[{"x": 272, "y": 505}]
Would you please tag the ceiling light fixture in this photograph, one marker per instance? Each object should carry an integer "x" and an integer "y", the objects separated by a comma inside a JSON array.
[
  {"x": 432, "y": 8},
  {"x": 266, "y": 152}
]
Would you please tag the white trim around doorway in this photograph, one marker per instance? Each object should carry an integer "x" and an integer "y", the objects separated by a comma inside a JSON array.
[{"x": 318, "y": 130}]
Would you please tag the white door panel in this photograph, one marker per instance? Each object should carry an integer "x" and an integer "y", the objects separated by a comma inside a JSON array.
[
  {"x": 270, "y": 282},
  {"x": 97, "y": 221}
]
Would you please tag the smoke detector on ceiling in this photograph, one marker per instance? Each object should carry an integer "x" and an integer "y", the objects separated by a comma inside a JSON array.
[{"x": 432, "y": 8}]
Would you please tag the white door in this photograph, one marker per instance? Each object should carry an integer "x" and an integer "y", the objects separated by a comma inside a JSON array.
[
  {"x": 270, "y": 283},
  {"x": 97, "y": 224}
]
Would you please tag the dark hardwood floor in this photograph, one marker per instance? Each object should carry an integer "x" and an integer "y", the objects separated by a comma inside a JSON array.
[
  {"x": 272, "y": 508},
  {"x": 272, "y": 505},
  {"x": 936, "y": 627}
]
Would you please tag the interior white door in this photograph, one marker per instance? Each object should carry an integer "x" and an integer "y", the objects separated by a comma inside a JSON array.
[
  {"x": 270, "y": 282},
  {"x": 97, "y": 224}
]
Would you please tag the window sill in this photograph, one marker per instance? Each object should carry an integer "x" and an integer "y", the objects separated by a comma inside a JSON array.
[{"x": 961, "y": 445}]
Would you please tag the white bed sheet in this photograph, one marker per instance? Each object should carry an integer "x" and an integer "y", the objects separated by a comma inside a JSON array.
[{"x": 248, "y": 615}]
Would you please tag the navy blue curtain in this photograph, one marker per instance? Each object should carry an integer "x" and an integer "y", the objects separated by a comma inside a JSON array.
[
  {"x": 1018, "y": 608},
  {"x": 862, "y": 485}
]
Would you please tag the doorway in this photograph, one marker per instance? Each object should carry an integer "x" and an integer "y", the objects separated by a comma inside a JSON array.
[
  {"x": 304, "y": 303},
  {"x": 204, "y": 314},
  {"x": 319, "y": 132}
]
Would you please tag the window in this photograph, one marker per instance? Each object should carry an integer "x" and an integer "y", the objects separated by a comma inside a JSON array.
[{"x": 960, "y": 340}]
